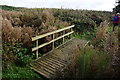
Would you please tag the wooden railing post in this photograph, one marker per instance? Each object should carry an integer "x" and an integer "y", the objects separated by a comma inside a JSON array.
[
  {"x": 71, "y": 29},
  {"x": 63, "y": 37},
  {"x": 37, "y": 49},
  {"x": 53, "y": 46}
]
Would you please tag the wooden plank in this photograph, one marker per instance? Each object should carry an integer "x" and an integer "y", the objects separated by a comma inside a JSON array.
[
  {"x": 57, "y": 58},
  {"x": 48, "y": 58},
  {"x": 40, "y": 46},
  {"x": 40, "y": 71},
  {"x": 64, "y": 43},
  {"x": 56, "y": 61},
  {"x": 52, "y": 61},
  {"x": 47, "y": 34},
  {"x": 52, "y": 65},
  {"x": 44, "y": 68},
  {"x": 47, "y": 64}
]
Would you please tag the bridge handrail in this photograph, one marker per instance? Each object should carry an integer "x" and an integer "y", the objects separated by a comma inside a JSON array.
[
  {"x": 53, "y": 40},
  {"x": 49, "y": 33}
]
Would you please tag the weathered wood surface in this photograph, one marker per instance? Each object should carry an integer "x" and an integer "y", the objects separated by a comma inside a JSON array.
[
  {"x": 37, "y": 46},
  {"x": 48, "y": 64},
  {"x": 47, "y": 34}
]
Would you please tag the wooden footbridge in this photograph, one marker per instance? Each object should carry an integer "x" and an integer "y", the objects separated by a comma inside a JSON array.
[{"x": 59, "y": 56}]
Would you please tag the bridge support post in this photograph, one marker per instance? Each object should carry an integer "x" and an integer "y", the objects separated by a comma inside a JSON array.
[
  {"x": 37, "y": 49},
  {"x": 63, "y": 37},
  {"x": 71, "y": 29},
  {"x": 53, "y": 44}
]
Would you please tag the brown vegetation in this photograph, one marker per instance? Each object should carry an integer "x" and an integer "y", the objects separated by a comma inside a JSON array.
[
  {"x": 21, "y": 26},
  {"x": 99, "y": 60},
  {"x": 17, "y": 30}
]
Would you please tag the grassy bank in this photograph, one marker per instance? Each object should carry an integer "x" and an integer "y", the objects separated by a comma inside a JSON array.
[{"x": 20, "y": 72}]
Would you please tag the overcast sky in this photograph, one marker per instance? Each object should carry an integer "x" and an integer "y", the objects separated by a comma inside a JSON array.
[{"x": 106, "y": 5}]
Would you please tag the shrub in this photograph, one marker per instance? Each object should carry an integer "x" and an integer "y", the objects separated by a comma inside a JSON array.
[
  {"x": 16, "y": 54},
  {"x": 100, "y": 36},
  {"x": 15, "y": 34},
  {"x": 105, "y": 40},
  {"x": 84, "y": 20}
]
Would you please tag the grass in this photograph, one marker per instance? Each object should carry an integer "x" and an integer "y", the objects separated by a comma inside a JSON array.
[
  {"x": 19, "y": 72},
  {"x": 110, "y": 29},
  {"x": 86, "y": 35},
  {"x": 91, "y": 64},
  {"x": 83, "y": 62}
]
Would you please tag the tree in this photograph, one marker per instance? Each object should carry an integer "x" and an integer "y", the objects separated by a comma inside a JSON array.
[{"x": 117, "y": 7}]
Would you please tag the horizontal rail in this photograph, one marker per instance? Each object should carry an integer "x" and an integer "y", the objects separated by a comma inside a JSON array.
[
  {"x": 47, "y": 34},
  {"x": 40, "y": 46},
  {"x": 36, "y": 39}
]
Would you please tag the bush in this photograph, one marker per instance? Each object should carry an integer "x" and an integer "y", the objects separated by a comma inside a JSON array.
[
  {"x": 23, "y": 58},
  {"x": 83, "y": 20},
  {"x": 17, "y": 54}
]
